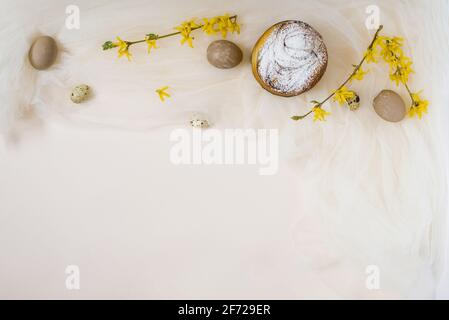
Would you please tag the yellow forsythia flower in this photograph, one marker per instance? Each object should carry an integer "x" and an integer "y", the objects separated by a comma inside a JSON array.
[
  {"x": 371, "y": 55},
  {"x": 233, "y": 26},
  {"x": 359, "y": 75},
  {"x": 123, "y": 48},
  {"x": 405, "y": 66},
  {"x": 319, "y": 114},
  {"x": 392, "y": 53},
  {"x": 419, "y": 106},
  {"x": 225, "y": 25},
  {"x": 151, "y": 42},
  {"x": 162, "y": 93},
  {"x": 222, "y": 24},
  {"x": 185, "y": 29},
  {"x": 343, "y": 95},
  {"x": 402, "y": 72},
  {"x": 188, "y": 39},
  {"x": 209, "y": 26}
]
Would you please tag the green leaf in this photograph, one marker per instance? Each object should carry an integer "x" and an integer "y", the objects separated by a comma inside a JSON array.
[
  {"x": 108, "y": 45},
  {"x": 152, "y": 36},
  {"x": 296, "y": 118}
]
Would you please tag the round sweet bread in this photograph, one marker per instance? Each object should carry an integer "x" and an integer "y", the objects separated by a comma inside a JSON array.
[{"x": 289, "y": 58}]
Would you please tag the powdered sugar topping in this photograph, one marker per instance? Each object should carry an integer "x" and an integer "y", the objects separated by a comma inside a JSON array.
[{"x": 293, "y": 58}]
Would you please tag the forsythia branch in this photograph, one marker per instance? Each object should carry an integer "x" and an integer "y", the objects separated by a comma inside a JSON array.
[
  {"x": 221, "y": 24},
  {"x": 400, "y": 68}
]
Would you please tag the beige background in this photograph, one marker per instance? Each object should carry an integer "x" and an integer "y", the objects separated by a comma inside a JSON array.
[{"x": 93, "y": 186}]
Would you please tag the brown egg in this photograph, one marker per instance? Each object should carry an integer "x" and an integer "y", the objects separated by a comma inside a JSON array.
[
  {"x": 224, "y": 54},
  {"x": 389, "y": 106},
  {"x": 43, "y": 53}
]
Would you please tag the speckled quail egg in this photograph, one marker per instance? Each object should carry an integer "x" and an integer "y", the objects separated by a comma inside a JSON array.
[
  {"x": 80, "y": 93},
  {"x": 199, "y": 121},
  {"x": 353, "y": 103},
  {"x": 199, "y": 124}
]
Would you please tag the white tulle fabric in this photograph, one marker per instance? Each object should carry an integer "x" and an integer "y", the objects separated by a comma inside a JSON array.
[{"x": 369, "y": 192}]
